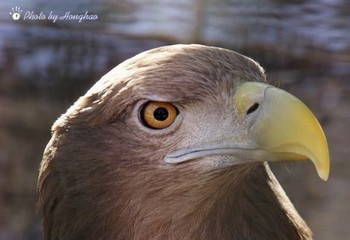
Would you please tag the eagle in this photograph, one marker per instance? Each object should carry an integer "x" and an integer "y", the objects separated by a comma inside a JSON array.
[{"x": 174, "y": 143}]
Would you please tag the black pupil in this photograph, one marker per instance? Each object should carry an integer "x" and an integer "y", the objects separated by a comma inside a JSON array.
[{"x": 161, "y": 114}]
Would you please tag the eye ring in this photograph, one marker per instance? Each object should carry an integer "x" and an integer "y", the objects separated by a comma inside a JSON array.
[{"x": 158, "y": 115}]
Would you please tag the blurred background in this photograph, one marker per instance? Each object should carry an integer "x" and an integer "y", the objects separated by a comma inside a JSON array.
[{"x": 45, "y": 65}]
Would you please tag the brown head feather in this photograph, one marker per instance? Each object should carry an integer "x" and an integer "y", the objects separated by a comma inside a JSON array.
[{"x": 103, "y": 178}]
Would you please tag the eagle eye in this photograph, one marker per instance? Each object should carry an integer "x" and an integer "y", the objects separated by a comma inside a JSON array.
[{"x": 158, "y": 115}]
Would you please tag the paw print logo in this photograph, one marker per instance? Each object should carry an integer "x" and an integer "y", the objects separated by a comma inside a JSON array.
[{"x": 16, "y": 13}]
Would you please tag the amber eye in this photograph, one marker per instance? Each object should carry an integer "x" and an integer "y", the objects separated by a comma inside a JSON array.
[{"x": 158, "y": 115}]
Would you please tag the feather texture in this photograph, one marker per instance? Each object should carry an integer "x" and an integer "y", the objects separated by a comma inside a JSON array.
[{"x": 103, "y": 177}]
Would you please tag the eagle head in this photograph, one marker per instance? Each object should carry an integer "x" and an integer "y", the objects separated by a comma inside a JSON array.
[{"x": 173, "y": 144}]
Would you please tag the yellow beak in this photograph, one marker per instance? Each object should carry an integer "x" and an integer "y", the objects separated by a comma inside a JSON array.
[{"x": 284, "y": 126}]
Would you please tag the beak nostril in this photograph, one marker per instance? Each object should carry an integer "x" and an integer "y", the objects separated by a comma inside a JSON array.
[{"x": 253, "y": 108}]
